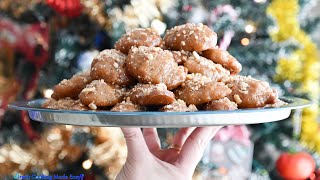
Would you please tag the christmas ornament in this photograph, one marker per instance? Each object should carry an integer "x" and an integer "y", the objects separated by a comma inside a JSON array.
[
  {"x": 70, "y": 8},
  {"x": 296, "y": 166}
]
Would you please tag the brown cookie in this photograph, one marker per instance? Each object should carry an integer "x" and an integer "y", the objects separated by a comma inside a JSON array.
[
  {"x": 181, "y": 56},
  {"x": 127, "y": 106},
  {"x": 65, "y": 103},
  {"x": 72, "y": 87},
  {"x": 150, "y": 94},
  {"x": 224, "y": 58},
  {"x": 248, "y": 92},
  {"x": 138, "y": 37},
  {"x": 110, "y": 65},
  {"x": 179, "y": 106},
  {"x": 99, "y": 93},
  {"x": 154, "y": 65},
  {"x": 190, "y": 37},
  {"x": 198, "y": 64},
  {"x": 221, "y": 104},
  {"x": 199, "y": 89}
]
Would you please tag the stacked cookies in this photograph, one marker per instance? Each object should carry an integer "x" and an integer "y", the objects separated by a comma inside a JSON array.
[{"x": 184, "y": 71}]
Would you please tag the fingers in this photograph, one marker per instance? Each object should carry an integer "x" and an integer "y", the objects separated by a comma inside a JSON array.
[
  {"x": 152, "y": 139},
  {"x": 192, "y": 150},
  {"x": 181, "y": 136},
  {"x": 135, "y": 142}
]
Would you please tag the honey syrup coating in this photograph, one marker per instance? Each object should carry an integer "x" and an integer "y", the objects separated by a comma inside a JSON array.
[
  {"x": 99, "y": 94},
  {"x": 72, "y": 87},
  {"x": 179, "y": 106},
  {"x": 221, "y": 104},
  {"x": 198, "y": 64},
  {"x": 248, "y": 92},
  {"x": 181, "y": 56},
  {"x": 155, "y": 65},
  {"x": 65, "y": 103},
  {"x": 224, "y": 58},
  {"x": 138, "y": 37},
  {"x": 127, "y": 106},
  {"x": 110, "y": 65},
  {"x": 151, "y": 95},
  {"x": 199, "y": 89},
  {"x": 190, "y": 37}
]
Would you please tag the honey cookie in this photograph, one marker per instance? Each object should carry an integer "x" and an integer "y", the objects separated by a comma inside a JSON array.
[
  {"x": 224, "y": 58},
  {"x": 99, "y": 93},
  {"x": 72, "y": 87},
  {"x": 199, "y": 89},
  {"x": 181, "y": 56},
  {"x": 179, "y": 106},
  {"x": 190, "y": 37},
  {"x": 127, "y": 106},
  {"x": 138, "y": 37},
  {"x": 150, "y": 94},
  {"x": 110, "y": 65},
  {"x": 155, "y": 65},
  {"x": 198, "y": 64},
  {"x": 65, "y": 103},
  {"x": 221, "y": 104},
  {"x": 248, "y": 92}
]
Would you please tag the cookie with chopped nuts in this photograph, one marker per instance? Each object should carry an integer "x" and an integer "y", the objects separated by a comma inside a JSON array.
[
  {"x": 248, "y": 92},
  {"x": 151, "y": 95},
  {"x": 199, "y": 89},
  {"x": 198, "y": 64},
  {"x": 154, "y": 65},
  {"x": 224, "y": 58},
  {"x": 65, "y": 103},
  {"x": 181, "y": 56},
  {"x": 179, "y": 106},
  {"x": 127, "y": 106},
  {"x": 110, "y": 65},
  {"x": 72, "y": 87},
  {"x": 190, "y": 37},
  {"x": 98, "y": 94},
  {"x": 221, "y": 104},
  {"x": 138, "y": 37}
]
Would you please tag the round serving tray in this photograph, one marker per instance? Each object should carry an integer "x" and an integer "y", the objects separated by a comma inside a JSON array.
[{"x": 159, "y": 119}]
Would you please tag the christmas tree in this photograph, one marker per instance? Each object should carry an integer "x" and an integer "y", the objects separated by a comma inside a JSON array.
[{"x": 44, "y": 42}]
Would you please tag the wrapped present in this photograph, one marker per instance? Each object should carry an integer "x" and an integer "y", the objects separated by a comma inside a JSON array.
[{"x": 229, "y": 155}]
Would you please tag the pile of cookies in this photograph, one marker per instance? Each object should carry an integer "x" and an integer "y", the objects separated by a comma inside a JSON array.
[{"x": 184, "y": 71}]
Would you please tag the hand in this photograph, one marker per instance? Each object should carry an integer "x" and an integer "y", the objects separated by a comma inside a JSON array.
[{"x": 146, "y": 159}]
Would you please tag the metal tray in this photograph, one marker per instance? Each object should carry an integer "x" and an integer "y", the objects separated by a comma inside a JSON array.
[{"x": 159, "y": 119}]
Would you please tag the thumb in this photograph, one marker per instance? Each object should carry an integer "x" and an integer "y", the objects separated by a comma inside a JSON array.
[{"x": 136, "y": 144}]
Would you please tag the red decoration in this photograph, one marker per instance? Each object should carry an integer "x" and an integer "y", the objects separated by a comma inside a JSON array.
[
  {"x": 296, "y": 166},
  {"x": 70, "y": 8},
  {"x": 31, "y": 41}
]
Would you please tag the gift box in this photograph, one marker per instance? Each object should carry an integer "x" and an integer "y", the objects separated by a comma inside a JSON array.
[{"x": 229, "y": 155}]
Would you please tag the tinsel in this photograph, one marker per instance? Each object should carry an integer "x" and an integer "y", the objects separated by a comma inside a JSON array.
[
  {"x": 301, "y": 67},
  {"x": 56, "y": 145}
]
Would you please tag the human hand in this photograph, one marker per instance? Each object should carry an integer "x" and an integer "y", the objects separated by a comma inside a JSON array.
[{"x": 146, "y": 159}]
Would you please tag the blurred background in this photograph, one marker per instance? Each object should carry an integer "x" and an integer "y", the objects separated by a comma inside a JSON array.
[{"x": 45, "y": 41}]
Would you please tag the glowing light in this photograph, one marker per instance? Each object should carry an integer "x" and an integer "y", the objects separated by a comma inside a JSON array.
[
  {"x": 68, "y": 127},
  {"x": 87, "y": 164},
  {"x": 249, "y": 28},
  {"x": 260, "y": 1},
  {"x": 47, "y": 93},
  {"x": 245, "y": 41},
  {"x": 159, "y": 26}
]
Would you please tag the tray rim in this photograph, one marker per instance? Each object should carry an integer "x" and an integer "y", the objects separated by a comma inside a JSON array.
[{"x": 27, "y": 106}]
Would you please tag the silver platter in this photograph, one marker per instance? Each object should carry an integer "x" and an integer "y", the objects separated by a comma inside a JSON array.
[{"x": 159, "y": 119}]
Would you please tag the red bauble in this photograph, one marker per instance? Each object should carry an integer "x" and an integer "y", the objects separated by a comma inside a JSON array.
[
  {"x": 296, "y": 166},
  {"x": 70, "y": 8}
]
